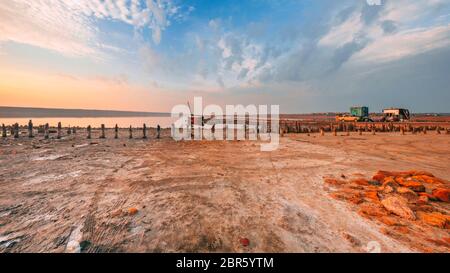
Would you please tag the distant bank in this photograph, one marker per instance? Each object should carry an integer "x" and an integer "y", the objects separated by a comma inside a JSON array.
[{"x": 27, "y": 112}]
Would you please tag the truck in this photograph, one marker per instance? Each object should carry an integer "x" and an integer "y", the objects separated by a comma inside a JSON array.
[
  {"x": 396, "y": 115},
  {"x": 357, "y": 114}
]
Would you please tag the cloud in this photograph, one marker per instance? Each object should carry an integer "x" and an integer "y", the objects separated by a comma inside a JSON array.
[
  {"x": 406, "y": 43},
  {"x": 69, "y": 27}
]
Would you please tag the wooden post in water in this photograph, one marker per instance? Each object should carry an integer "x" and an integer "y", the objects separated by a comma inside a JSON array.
[
  {"x": 46, "y": 131},
  {"x": 144, "y": 131},
  {"x": 30, "y": 129},
  {"x": 103, "y": 131},
  {"x": 59, "y": 130},
  {"x": 116, "y": 132},
  {"x": 158, "y": 131},
  {"x": 89, "y": 132},
  {"x": 16, "y": 130},
  {"x": 3, "y": 130},
  {"x": 131, "y": 132}
]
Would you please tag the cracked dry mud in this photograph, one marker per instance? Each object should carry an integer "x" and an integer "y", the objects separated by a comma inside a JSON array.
[{"x": 60, "y": 195}]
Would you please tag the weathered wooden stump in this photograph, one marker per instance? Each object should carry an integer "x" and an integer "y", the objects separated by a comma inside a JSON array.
[
  {"x": 89, "y": 132},
  {"x": 158, "y": 131},
  {"x": 46, "y": 131},
  {"x": 116, "y": 132},
  {"x": 102, "y": 135},
  {"x": 4, "y": 131},
  {"x": 59, "y": 130},
  {"x": 144, "y": 131},
  {"x": 16, "y": 130},
  {"x": 30, "y": 129}
]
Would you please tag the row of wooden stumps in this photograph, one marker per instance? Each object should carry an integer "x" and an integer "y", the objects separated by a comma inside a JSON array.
[
  {"x": 348, "y": 128},
  {"x": 15, "y": 131}
]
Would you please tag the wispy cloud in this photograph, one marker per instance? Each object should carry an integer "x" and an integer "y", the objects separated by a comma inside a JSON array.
[{"x": 69, "y": 27}]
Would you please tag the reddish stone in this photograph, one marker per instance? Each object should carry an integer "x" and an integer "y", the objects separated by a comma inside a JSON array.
[
  {"x": 399, "y": 206},
  {"x": 361, "y": 181},
  {"x": 422, "y": 200},
  {"x": 370, "y": 209},
  {"x": 334, "y": 182},
  {"x": 442, "y": 194},
  {"x": 244, "y": 242},
  {"x": 435, "y": 219},
  {"x": 413, "y": 185},
  {"x": 429, "y": 196},
  {"x": 372, "y": 195},
  {"x": 390, "y": 221},
  {"x": 132, "y": 211}
]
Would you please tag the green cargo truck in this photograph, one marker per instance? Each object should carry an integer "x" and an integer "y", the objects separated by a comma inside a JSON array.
[{"x": 357, "y": 114}]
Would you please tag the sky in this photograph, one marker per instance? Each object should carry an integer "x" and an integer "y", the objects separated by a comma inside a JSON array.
[{"x": 149, "y": 55}]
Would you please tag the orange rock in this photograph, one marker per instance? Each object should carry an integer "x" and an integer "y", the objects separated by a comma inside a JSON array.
[
  {"x": 372, "y": 195},
  {"x": 403, "y": 190},
  {"x": 333, "y": 181},
  {"x": 369, "y": 209},
  {"x": 402, "y": 229},
  {"x": 435, "y": 219},
  {"x": 442, "y": 194},
  {"x": 423, "y": 200},
  {"x": 132, "y": 211},
  {"x": 439, "y": 242},
  {"x": 361, "y": 181},
  {"x": 413, "y": 185},
  {"x": 399, "y": 206},
  {"x": 390, "y": 221},
  {"x": 378, "y": 177},
  {"x": 429, "y": 196},
  {"x": 389, "y": 181},
  {"x": 428, "y": 179},
  {"x": 355, "y": 200},
  {"x": 388, "y": 189}
]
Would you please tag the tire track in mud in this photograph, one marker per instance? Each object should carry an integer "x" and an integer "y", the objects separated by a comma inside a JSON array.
[{"x": 100, "y": 234}]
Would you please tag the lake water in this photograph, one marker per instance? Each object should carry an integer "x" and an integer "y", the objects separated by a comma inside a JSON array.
[{"x": 109, "y": 122}]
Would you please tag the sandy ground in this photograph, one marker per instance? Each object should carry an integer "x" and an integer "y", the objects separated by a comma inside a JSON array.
[{"x": 198, "y": 196}]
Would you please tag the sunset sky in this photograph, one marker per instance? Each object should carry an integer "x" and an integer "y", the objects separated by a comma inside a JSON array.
[{"x": 305, "y": 55}]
